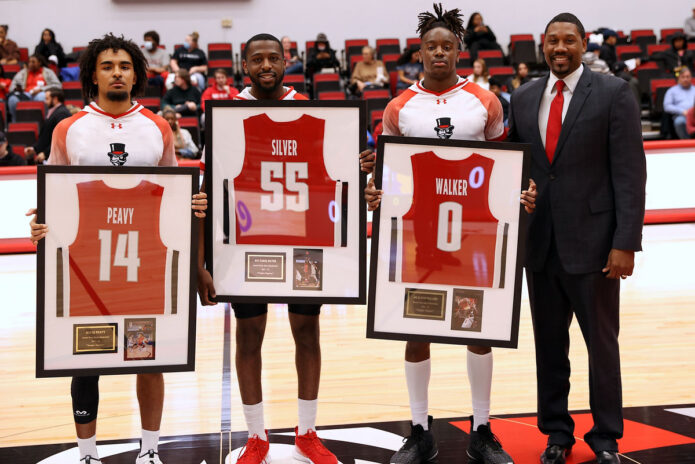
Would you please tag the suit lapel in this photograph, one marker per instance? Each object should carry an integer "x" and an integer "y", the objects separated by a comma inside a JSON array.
[
  {"x": 536, "y": 101},
  {"x": 581, "y": 92}
]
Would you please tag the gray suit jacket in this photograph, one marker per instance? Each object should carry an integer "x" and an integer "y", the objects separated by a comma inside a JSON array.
[{"x": 591, "y": 198}]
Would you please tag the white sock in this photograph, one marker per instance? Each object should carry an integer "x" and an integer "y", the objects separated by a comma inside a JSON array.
[
  {"x": 254, "y": 420},
  {"x": 150, "y": 439},
  {"x": 307, "y": 415},
  {"x": 480, "y": 378},
  {"x": 88, "y": 447},
  {"x": 417, "y": 376}
]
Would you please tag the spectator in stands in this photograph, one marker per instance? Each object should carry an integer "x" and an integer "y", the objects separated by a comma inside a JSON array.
[
  {"x": 519, "y": 79},
  {"x": 192, "y": 59},
  {"x": 690, "y": 122},
  {"x": 293, "y": 65},
  {"x": 676, "y": 56},
  {"x": 183, "y": 141},
  {"x": 4, "y": 84},
  {"x": 157, "y": 60},
  {"x": 479, "y": 36},
  {"x": 591, "y": 59},
  {"x": 608, "y": 53},
  {"x": 322, "y": 56},
  {"x": 183, "y": 97},
  {"x": 620, "y": 69},
  {"x": 9, "y": 52},
  {"x": 409, "y": 68},
  {"x": 30, "y": 83},
  {"x": 480, "y": 75},
  {"x": 55, "y": 102},
  {"x": 503, "y": 97},
  {"x": 221, "y": 90},
  {"x": 48, "y": 47},
  {"x": 7, "y": 158},
  {"x": 679, "y": 99},
  {"x": 689, "y": 27},
  {"x": 369, "y": 73}
]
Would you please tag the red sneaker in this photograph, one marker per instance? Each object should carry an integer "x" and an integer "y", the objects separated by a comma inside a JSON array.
[
  {"x": 255, "y": 451},
  {"x": 308, "y": 448}
]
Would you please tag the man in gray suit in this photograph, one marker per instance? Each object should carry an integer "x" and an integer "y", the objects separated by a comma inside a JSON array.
[{"x": 589, "y": 166}]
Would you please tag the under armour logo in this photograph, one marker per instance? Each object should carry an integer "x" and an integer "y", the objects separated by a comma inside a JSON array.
[
  {"x": 113, "y": 125},
  {"x": 443, "y": 101}
]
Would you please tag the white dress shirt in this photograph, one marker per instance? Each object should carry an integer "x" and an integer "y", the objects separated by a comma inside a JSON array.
[{"x": 549, "y": 94}]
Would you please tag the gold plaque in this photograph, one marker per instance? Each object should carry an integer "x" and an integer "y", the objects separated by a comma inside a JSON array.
[
  {"x": 95, "y": 338},
  {"x": 265, "y": 267},
  {"x": 425, "y": 304}
]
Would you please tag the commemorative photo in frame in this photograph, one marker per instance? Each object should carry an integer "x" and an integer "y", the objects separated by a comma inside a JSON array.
[
  {"x": 447, "y": 241},
  {"x": 115, "y": 273},
  {"x": 286, "y": 220}
]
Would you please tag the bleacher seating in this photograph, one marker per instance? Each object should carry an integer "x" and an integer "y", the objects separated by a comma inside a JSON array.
[
  {"x": 658, "y": 88},
  {"x": 626, "y": 52},
  {"x": 332, "y": 95},
  {"x": 192, "y": 126},
  {"x": 31, "y": 111},
  {"x": 492, "y": 57},
  {"x": 390, "y": 61},
  {"x": 387, "y": 47},
  {"x": 219, "y": 51},
  {"x": 502, "y": 73},
  {"x": 23, "y": 133},
  {"x": 642, "y": 37},
  {"x": 667, "y": 33},
  {"x": 151, "y": 103},
  {"x": 328, "y": 81}
]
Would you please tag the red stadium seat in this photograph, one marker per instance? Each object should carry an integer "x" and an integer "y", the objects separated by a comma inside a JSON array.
[
  {"x": 31, "y": 111},
  {"x": 11, "y": 69},
  {"x": 296, "y": 81},
  {"x": 375, "y": 118},
  {"x": 655, "y": 48},
  {"x": 78, "y": 49},
  {"x": 353, "y": 61},
  {"x": 464, "y": 60},
  {"x": 492, "y": 57},
  {"x": 367, "y": 94},
  {"x": 502, "y": 73},
  {"x": 390, "y": 61},
  {"x": 464, "y": 72},
  {"x": 192, "y": 126},
  {"x": 410, "y": 41},
  {"x": 393, "y": 82},
  {"x": 332, "y": 95},
  {"x": 3, "y": 113},
  {"x": 387, "y": 46},
  {"x": 626, "y": 52},
  {"x": 72, "y": 90},
  {"x": 227, "y": 65},
  {"x": 641, "y": 33},
  {"x": 668, "y": 32},
  {"x": 643, "y": 38},
  {"x": 75, "y": 103},
  {"x": 220, "y": 51},
  {"x": 73, "y": 64},
  {"x": 247, "y": 81},
  {"x": 658, "y": 88},
  {"x": 308, "y": 47},
  {"x": 23, "y": 54},
  {"x": 23, "y": 133},
  {"x": 646, "y": 72},
  {"x": 518, "y": 37},
  {"x": 354, "y": 47},
  {"x": 19, "y": 150},
  {"x": 328, "y": 81},
  {"x": 151, "y": 103}
]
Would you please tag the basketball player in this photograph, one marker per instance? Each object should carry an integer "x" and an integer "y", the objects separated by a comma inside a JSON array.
[
  {"x": 112, "y": 71},
  {"x": 446, "y": 106},
  {"x": 264, "y": 63}
]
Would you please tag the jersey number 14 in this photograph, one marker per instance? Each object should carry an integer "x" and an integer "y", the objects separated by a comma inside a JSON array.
[{"x": 126, "y": 254}]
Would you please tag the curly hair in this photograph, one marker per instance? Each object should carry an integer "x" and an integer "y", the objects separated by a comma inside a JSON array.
[
  {"x": 451, "y": 20},
  {"x": 88, "y": 63}
]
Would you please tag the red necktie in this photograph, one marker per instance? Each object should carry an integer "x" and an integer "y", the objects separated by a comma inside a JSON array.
[{"x": 552, "y": 133}]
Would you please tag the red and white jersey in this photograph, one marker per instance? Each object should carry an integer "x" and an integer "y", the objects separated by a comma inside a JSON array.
[
  {"x": 117, "y": 262},
  {"x": 283, "y": 194},
  {"x": 290, "y": 94},
  {"x": 93, "y": 137},
  {"x": 464, "y": 111},
  {"x": 449, "y": 235}
]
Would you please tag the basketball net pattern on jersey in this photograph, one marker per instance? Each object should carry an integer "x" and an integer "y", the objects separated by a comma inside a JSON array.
[
  {"x": 449, "y": 235},
  {"x": 117, "y": 263},
  {"x": 284, "y": 195}
]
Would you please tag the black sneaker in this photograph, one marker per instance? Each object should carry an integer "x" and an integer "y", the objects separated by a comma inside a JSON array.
[
  {"x": 419, "y": 447},
  {"x": 485, "y": 448}
]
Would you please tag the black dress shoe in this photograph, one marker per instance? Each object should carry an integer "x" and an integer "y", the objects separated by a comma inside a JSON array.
[
  {"x": 607, "y": 457},
  {"x": 554, "y": 454}
]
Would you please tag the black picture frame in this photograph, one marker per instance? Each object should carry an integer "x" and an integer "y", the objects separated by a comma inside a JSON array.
[
  {"x": 432, "y": 144},
  {"x": 211, "y": 106},
  {"x": 41, "y": 370}
]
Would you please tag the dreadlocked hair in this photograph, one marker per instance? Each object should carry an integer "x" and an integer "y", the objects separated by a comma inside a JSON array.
[
  {"x": 451, "y": 20},
  {"x": 88, "y": 64}
]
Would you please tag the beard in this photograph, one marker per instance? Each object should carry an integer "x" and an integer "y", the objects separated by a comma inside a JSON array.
[
  {"x": 269, "y": 87},
  {"x": 117, "y": 95}
]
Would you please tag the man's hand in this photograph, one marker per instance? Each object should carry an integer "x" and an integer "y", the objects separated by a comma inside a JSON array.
[
  {"x": 528, "y": 197},
  {"x": 35, "y": 90},
  {"x": 191, "y": 105},
  {"x": 199, "y": 204},
  {"x": 367, "y": 161},
  {"x": 620, "y": 264},
  {"x": 206, "y": 288},
  {"x": 40, "y": 158},
  {"x": 372, "y": 195},
  {"x": 29, "y": 152},
  {"x": 38, "y": 231},
  {"x": 360, "y": 85}
]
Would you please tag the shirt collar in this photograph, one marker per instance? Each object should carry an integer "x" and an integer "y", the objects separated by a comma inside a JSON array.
[{"x": 571, "y": 81}]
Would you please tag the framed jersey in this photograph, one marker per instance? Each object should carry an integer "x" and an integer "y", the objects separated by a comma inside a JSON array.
[
  {"x": 447, "y": 241},
  {"x": 287, "y": 222},
  {"x": 115, "y": 273}
]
